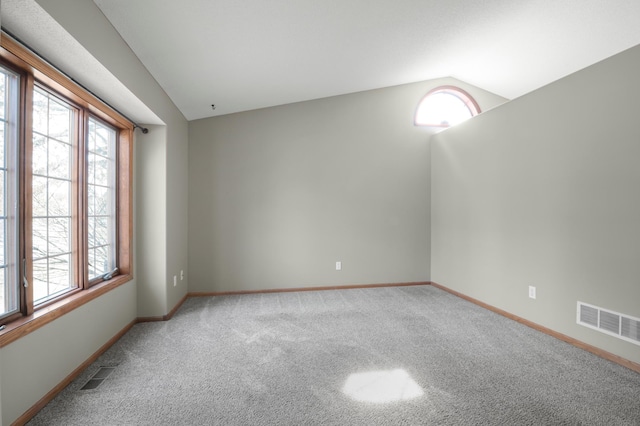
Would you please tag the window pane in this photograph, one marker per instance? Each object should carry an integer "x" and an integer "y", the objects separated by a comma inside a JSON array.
[
  {"x": 59, "y": 159},
  {"x": 101, "y": 184},
  {"x": 40, "y": 280},
  {"x": 101, "y": 231},
  {"x": 3, "y": 241},
  {"x": 4, "y": 296},
  {"x": 59, "y": 197},
  {"x": 39, "y": 189},
  {"x": 59, "y": 121},
  {"x": 59, "y": 235},
  {"x": 2, "y": 130},
  {"x": 99, "y": 259},
  {"x": 91, "y": 136},
  {"x": 101, "y": 200},
  {"x": 9, "y": 278},
  {"x": 59, "y": 273},
  {"x": 51, "y": 188},
  {"x": 3, "y": 94},
  {"x": 99, "y": 170},
  {"x": 39, "y": 155},
  {"x": 91, "y": 260},
  {"x": 40, "y": 112},
  {"x": 91, "y": 168},
  {"x": 103, "y": 140},
  {"x": 39, "y": 237},
  {"x": 3, "y": 177}
]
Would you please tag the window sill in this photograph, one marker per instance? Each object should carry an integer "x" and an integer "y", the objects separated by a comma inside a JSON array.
[{"x": 21, "y": 327}]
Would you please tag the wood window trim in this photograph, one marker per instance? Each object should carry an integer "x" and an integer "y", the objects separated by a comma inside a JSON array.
[
  {"x": 15, "y": 53},
  {"x": 32, "y": 68}
]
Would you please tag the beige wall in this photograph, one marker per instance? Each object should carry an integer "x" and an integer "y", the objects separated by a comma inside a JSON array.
[
  {"x": 151, "y": 216},
  {"x": 176, "y": 205},
  {"x": 278, "y": 195},
  {"x": 543, "y": 191}
]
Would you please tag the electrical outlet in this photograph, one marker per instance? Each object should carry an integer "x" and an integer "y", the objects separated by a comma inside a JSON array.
[
  {"x": 175, "y": 280},
  {"x": 338, "y": 266},
  {"x": 532, "y": 292}
]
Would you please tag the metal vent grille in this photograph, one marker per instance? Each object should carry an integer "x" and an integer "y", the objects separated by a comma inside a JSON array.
[
  {"x": 588, "y": 315},
  {"x": 630, "y": 329},
  {"x": 609, "y": 321},
  {"x": 613, "y": 323},
  {"x": 97, "y": 379}
]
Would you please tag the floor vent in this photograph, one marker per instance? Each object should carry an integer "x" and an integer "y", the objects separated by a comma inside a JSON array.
[
  {"x": 613, "y": 323},
  {"x": 97, "y": 379}
]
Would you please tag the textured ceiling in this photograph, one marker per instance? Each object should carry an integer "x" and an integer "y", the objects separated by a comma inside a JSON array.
[{"x": 243, "y": 55}]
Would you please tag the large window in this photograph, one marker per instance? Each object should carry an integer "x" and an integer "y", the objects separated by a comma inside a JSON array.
[
  {"x": 65, "y": 197},
  {"x": 9, "y": 263}
]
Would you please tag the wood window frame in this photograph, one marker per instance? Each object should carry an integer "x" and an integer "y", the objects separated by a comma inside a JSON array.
[{"x": 33, "y": 70}]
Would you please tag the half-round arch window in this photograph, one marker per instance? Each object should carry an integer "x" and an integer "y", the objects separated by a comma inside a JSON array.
[{"x": 445, "y": 106}]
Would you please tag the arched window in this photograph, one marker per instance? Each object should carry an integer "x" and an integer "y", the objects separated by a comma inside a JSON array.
[{"x": 445, "y": 106}]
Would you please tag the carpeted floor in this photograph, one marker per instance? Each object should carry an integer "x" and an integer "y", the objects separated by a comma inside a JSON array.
[{"x": 382, "y": 356}]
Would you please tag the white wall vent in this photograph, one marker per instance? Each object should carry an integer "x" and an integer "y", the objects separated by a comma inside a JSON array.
[{"x": 615, "y": 324}]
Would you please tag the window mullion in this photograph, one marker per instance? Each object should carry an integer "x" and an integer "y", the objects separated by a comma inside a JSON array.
[
  {"x": 80, "y": 198},
  {"x": 26, "y": 195}
]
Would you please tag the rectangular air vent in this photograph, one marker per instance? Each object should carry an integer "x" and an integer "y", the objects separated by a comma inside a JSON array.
[
  {"x": 97, "y": 379},
  {"x": 613, "y": 323}
]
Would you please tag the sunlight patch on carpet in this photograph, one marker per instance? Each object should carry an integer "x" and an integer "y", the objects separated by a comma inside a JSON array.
[{"x": 382, "y": 386}]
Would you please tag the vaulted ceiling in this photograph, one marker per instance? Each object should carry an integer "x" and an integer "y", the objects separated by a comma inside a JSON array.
[
  {"x": 249, "y": 54},
  {"x": 242, "y": 55}
]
